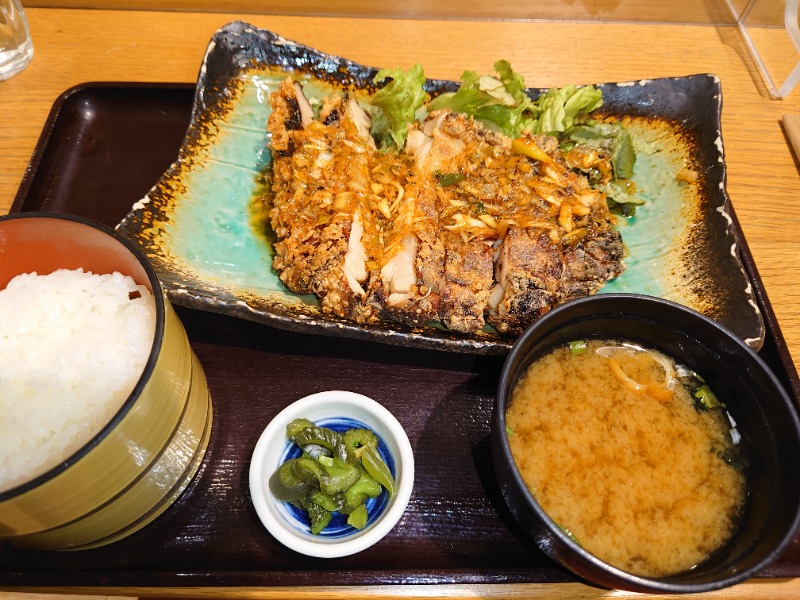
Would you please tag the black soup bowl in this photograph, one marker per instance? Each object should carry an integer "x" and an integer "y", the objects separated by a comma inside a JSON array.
[{"x": 765, "y": 415}]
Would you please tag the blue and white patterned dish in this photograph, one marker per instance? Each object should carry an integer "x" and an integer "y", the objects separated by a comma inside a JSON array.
[{"x": 338, "y": 410}]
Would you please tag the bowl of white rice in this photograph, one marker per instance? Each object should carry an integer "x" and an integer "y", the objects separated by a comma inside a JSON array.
[{"x": 105, "y": 413}]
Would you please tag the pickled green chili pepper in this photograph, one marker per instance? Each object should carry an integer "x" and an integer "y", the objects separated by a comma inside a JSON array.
[
  {"x": 355, "y": 439},
  {"x": 330, "y": 479},
  {"x": 319, "y": 517},
  {"x": 296, "y": 426},
  {"x": 377, "y": 468},
  {"x": 357, "y": 494},
  {"x": 307, "y": 470},
  {"x": 337, "y": 472},
  {"x": 317, "y": 436},
  {"x": 339, "y": 477},
  {"x": 365, "y": 444},
  {"x": 346, "y": 454},
  {"x": 330, "y": 503},
  {"x": 359, "y": 517},
  {"x": 289, "y": 487}
]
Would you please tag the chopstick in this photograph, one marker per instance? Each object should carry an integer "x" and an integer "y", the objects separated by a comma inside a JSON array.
[{"x": 791, "y": 123}]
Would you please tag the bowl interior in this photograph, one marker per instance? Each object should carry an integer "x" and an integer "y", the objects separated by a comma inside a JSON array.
[
  {"x": 763, "y": 411},
  {"x": 45, "y": 244}
]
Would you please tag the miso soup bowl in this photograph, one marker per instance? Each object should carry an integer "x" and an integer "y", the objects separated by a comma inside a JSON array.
[
  {"x": 142, "y": 460},
  {"x": 765, "y": 415}
]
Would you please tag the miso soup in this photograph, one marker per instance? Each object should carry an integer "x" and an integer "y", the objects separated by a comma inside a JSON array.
[{"x": 629, "y": 453}]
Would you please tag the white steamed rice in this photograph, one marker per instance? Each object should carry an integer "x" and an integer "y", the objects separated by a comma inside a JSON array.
[{"x": 72, "y": 347}]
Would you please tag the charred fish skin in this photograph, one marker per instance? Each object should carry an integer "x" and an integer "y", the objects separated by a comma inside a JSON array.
[
  {"x": 467, "y": 283},
  {"x": 591, "y": 263},
  {"x": 529, "y": 271},
  {"x": 291, "y": 111}
]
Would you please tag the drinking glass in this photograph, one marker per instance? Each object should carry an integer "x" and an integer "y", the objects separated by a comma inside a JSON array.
[{"x": 16, "y": 47}]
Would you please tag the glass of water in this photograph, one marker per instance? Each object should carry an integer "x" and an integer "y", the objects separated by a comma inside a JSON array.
[{"x": 16, "y": 48}]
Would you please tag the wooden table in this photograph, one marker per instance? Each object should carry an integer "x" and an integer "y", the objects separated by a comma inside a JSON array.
[{"x": 74, "y": 46}]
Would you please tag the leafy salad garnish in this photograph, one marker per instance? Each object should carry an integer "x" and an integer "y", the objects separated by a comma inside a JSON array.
[
  {"x": 498, "y": 102},
  {"x": 501, "y": 103},
  {"x": 397, "y": 103}
]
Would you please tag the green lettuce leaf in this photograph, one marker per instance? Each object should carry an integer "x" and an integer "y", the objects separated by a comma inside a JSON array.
[
  {"x": 501, "y": 103},
  {"x": 398, "y": 102},
  {"x": 622, "y": 194},
  {"x": 598, "y": 135},
  {"x": 623, "y": 156},
  {"x": 558, "y": 108}
]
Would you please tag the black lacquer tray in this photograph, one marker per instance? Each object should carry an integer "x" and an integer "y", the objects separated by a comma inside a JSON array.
[{"x": 103, "y": 147}]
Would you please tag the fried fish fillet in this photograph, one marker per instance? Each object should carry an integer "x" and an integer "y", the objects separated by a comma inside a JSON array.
[
  {"x": 464, "y": 226},
  {"x": 318, "y": 211},
  {"x": 462, "y": 264},
  {"x": 561, "y": 244}
]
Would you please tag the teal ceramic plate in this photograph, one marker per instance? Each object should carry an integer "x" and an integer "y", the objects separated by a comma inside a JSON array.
[{"x": 199, "y": 229}]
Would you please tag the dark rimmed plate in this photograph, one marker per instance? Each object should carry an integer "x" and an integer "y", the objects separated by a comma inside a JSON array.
[{"x": 197, "y": 229}]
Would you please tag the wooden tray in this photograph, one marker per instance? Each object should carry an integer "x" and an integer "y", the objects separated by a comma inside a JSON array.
[{"x": 102, "y": 148}]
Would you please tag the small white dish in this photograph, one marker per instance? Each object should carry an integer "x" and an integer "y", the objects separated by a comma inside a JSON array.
[{"x": 338, "y": 410}]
